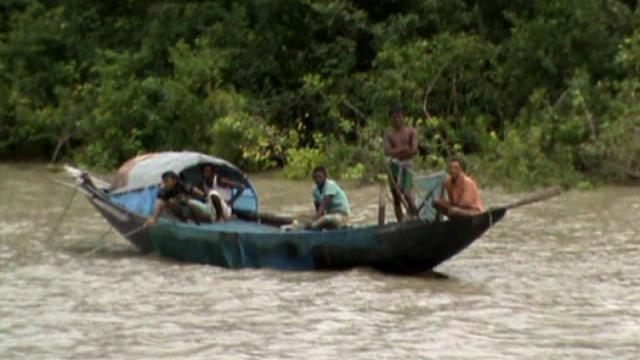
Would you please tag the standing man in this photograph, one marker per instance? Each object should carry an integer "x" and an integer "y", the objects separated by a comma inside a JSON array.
[
  {"x": 401, "y": 145},
  {"x": 331, "y": 203},
  {"x": 464, "y": 198}
]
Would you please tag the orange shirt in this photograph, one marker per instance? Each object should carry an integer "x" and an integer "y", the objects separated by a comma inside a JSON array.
[{"x": 463, "y": 193}]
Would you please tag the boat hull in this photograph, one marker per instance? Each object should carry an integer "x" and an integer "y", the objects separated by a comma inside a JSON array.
[
  {"x": 127, "y": 223},
  {"x": 408, "y": 247},
  {"x": 415, "y": 246}
]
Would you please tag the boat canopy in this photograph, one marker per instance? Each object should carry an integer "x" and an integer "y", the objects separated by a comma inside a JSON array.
[
  {"x": 137, "y": 182},
  {"x": 146, "y": 170}
]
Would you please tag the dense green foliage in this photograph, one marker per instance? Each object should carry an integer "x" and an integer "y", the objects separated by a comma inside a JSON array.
[{"x": 533, "y": 91}]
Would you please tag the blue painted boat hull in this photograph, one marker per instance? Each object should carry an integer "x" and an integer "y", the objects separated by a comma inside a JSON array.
[{"x": 407, "y": 247}]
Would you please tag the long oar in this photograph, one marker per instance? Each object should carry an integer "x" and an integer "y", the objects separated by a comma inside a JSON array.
[{"x": 541, "y": 196}]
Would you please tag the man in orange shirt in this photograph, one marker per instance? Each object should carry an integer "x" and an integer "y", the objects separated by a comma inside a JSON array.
[{"x": 462, "y": 191}]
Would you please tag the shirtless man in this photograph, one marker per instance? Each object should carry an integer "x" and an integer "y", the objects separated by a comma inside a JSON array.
[
  {"x": 401, "y": 145},
  {"x": 462, "y": 191}
]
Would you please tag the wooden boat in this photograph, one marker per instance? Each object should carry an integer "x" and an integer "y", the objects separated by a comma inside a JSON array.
[{"x": 255, "y": 240}]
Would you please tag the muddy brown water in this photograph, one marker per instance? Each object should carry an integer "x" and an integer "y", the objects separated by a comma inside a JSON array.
[{"x": 558, "y": 280}]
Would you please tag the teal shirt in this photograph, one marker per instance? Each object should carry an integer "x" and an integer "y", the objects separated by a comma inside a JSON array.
[{"x": 339, "y": 202}]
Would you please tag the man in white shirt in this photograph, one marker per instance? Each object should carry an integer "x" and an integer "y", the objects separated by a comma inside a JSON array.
[{"x": 219, "y": 192}]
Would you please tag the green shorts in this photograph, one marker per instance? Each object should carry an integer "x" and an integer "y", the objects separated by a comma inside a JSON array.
[{"x": 403, "y": 177}]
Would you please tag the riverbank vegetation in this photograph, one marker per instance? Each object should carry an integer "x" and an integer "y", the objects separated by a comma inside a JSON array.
[{"x": 532, "y": 92}]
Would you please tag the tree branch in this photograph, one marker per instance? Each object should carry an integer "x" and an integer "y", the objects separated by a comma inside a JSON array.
[
  {"x": 427, "y": 91},
  {"x": 354, "y": 108}
]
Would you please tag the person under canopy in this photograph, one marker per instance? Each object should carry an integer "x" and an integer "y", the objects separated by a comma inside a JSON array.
[
  {"x": 176, "y": 196},
  {"x": 218, "y": 190}
]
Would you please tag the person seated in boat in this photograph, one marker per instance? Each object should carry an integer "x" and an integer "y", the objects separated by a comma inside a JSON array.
[
  {"x": 175, "y": 195},
  {"x": 462, "y": 192},
  {"x": 331, "y": 202},
  {"x": 218, "y": 192},
  {"x": 401, "y": 145}
]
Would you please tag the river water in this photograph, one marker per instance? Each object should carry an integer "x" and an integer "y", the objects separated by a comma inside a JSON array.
[{"x": 558, "y": 280}]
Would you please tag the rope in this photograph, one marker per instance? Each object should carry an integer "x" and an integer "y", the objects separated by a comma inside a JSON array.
[
  {"x": 101, "y": 243},
  {"x": 61, "y": 220},
  {"x": 64, "y": 214}
]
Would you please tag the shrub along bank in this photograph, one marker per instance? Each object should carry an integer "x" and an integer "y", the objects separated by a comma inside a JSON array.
[{"x": 533, "y": 92}]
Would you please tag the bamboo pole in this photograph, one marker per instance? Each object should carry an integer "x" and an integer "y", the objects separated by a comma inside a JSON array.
[{"x": 540, "y": 196}]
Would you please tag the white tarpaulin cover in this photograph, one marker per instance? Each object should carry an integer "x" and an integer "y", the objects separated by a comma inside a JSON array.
[{"x": 146, "y": 170}]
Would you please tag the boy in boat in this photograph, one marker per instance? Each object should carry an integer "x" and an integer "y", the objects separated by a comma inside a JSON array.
[
  {"x": 331, "y": 203},
  {"x": 401, "y": 145},
  {"x": 174, "y": 195},
  {"x": 218, "y": 190},
  {"x": 464, "y": 198}
]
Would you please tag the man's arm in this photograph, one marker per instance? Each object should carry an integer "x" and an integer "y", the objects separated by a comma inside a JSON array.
[
  {"x": 197, "y": 192},
  {"x": 231, "y": 183},
  {"x": 440, "y": 204},
  {"x": 409, "y": 148},
  {"x": 388, "y": 145},
  {"x": 455, "y": 210},
  {"x": 322, "y": 208},
  {"x": 393, "y": 150},
  {"x": 413, "y": 142},
  {"x": 159, "y": 208}
]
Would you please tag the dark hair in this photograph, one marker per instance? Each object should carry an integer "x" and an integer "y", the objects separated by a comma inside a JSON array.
[
  {"x": 169, "y": 174},
  {"x": 213, "y": 167},
  {"x": 322, "y": 169},
  {"x": 459, "y": 160},
  {"x": 397, "y": 108}
]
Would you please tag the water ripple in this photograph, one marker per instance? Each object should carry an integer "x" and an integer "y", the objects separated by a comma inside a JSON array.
[{"x": 553, "y": 280}]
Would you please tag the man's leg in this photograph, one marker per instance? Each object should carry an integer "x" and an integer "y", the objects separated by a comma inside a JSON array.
[
  {"x": 413, "y": 209},
  {"x": 199, "y": 210},
  {"x": 216, "y": 201},
  {"x": 458, "y": 211},
  {"x": 319, "y": 224},
  {"x": 330, "y": 221},
  {"x": 441, "y": 205},
  {"x": 397, "y": 204},
  {"x": 407, "y": 192},
  {"x": 222, "y": 209},
  {"x": 393, "y": 175},
  {"x": 176, "y": 210}
]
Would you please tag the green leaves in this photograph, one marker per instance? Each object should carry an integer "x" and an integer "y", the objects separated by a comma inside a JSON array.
[{"x": 524, "y": 87}]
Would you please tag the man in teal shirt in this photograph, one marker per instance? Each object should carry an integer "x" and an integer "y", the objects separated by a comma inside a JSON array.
[{"x": 332, "y": 205}]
